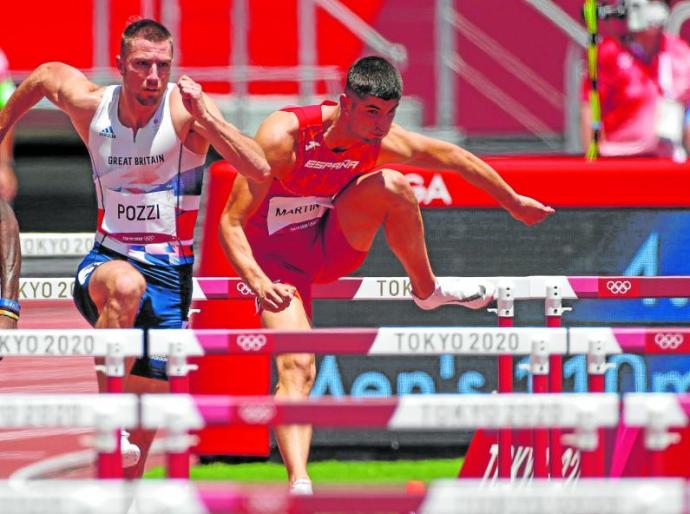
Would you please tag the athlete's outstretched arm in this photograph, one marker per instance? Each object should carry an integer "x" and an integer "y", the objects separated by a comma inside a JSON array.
[
  {"x": 63, "y": 85},
  {"x": 10, "y": 261},
  {"x": 239, "y": 150},
  {"x": 403, "y": 146}
]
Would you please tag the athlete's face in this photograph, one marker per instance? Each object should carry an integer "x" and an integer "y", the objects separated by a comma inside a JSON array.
[
  {"x": 145, "y": 69},
  {"x": 369, "y": 118}
]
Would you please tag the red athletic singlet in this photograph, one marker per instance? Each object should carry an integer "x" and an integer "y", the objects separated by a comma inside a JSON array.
[{"x": 293, "y": 237}]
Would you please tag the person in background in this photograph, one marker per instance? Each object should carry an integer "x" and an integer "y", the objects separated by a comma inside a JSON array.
[{"x": 644, "y": 86}]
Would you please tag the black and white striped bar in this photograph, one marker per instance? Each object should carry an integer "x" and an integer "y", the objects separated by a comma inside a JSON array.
[
  {"x": 622, "y": 496},
  {"x": 71, "y": 342},
  {"x": 410, "y": 412}
]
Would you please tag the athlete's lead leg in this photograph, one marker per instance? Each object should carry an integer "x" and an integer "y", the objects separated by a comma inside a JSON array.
[{"x": 385, "y": 198}]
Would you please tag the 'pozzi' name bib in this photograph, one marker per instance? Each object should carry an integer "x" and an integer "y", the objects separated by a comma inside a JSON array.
[{"x": 140, "y": 218}]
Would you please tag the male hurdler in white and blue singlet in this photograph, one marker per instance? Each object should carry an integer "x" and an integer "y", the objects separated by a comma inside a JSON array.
[{"x": 148, "y": 141}]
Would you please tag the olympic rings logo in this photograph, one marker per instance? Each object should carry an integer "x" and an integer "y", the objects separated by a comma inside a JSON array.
[
  {"x": 267, "y": 503},
  {"x": 251, "y": 342},
  {"x": 618, "y": 286},
  {"x": 244, "y": 289},
  {"x": 258, "y": 414},
  {"x": 668, "y": 341}
]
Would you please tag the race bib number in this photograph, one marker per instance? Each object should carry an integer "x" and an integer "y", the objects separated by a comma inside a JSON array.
[
  {"x": 140, "y": 218},
  {"x": 295, "y": 212},
  {"x": 669, "y": 120}
]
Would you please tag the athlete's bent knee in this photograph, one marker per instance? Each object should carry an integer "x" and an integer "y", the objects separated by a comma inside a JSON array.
[
  {"x": 127, "y": 287},
  {"x": 398, "y": 188}
]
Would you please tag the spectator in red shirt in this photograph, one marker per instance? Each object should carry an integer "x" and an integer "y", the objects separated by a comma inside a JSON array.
[{"x": 644, "y": 85}]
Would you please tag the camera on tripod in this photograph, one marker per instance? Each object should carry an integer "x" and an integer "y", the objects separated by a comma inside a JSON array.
[{"x": 639, "y": 14}]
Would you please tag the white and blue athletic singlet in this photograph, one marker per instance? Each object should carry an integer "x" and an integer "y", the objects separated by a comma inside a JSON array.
[{"x": 148, "y": 185}]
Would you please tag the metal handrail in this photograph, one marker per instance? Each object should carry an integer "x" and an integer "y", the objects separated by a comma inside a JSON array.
[
  {"x": 449, "y": 20},
  {"x": 506, "y": 59},
  {"x": 562, "y": 20},
  {"x": 504, "y": 101},
  {"x": 365, "y": 32}
]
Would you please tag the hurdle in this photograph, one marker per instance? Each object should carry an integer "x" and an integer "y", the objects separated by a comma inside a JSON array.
[
  {"x": 546, "y": 369},
  {"x": 55, "y": 244},
  {"x": 664, "y": 496},
  {"x": 586, "y": 413},
  {"x": 178, "y": 414},
  {"x": 598, "y": 343},
  {"x": 399, "y": 288},
  {"x": 106, "y": 413},
  {"x": 656, "y": 414},
  {"x": 115, "y": 345},
  {"x": 536, "y": 342}
]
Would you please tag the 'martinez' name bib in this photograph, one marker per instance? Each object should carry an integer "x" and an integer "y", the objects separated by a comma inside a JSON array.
[
  {"x": 142, "y": 218},
  {"x": 295, "y": 212}
]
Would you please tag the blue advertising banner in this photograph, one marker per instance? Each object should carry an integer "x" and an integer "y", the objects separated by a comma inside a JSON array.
[{"x": 489, "y": 243}]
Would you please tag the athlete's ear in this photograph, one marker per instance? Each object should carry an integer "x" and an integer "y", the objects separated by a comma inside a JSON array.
[
  {"x": 120, "y": 64},
  {"x": 345, "y": 103}
]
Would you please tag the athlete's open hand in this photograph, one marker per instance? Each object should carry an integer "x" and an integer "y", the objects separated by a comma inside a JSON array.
[
  {"x": 275, "y": 297},
  {"x": 192, "y": 97},
  {"x": 529, "y": 211}
]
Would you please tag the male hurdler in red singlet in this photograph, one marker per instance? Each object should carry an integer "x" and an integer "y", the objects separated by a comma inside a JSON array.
[{"x": 316, "y": 219}]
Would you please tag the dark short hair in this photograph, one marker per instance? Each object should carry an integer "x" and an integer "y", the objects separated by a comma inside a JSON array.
[
  {"x": 374, "y": 76},
  {"x": 144, "y": 28}
]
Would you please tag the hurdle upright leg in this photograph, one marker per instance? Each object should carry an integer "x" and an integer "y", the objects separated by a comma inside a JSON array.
[
  {"x": 177, "y": 451},
  {"x": 658, "y": 437},
  {"x": 553, "y": 312},
  {"x": 505, "y": 311},
  {"x": 109, "y": 463},
  {"x": 596, "y": 371},
  {"x": 539, "y": 369}
]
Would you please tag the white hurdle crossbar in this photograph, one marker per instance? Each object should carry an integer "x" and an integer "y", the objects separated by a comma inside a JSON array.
[
  {"x": 552, "y": 288},
  {"x": 107, "y": 414},
  {"x": 51, "y": 244},
  {"x": 586, "y": 413},
  {"x": 113, "y": 344},
  {"x": 623, "y": 496},
  {"x": 71, "y": 342}
]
